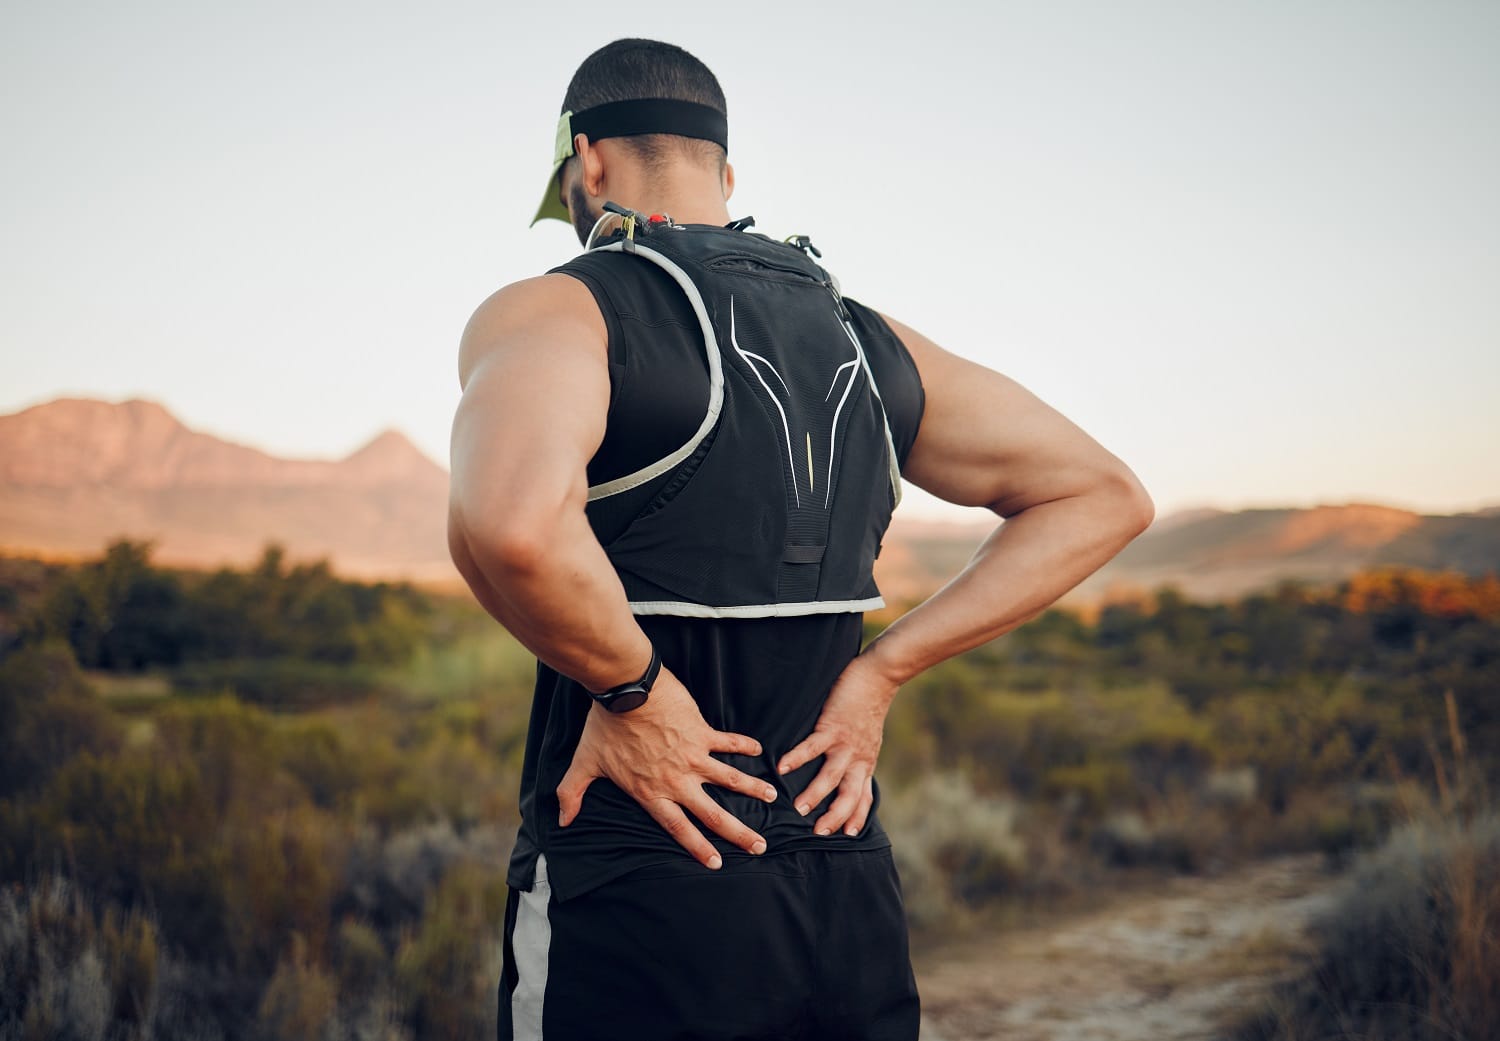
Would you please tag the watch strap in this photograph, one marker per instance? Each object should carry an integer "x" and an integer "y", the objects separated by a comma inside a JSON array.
[{"x": 633, "y": 693}]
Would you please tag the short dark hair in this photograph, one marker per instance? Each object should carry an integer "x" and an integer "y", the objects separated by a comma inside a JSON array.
[{"x": 632, "y": 68}]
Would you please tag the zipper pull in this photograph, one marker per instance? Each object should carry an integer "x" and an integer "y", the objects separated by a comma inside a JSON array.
[{"x": 627, "y": 225}]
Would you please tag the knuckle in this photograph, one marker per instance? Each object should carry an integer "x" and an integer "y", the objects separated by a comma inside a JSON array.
[
  {"x": 736, "y": 781},
  {"x": 749, "y": 785}
]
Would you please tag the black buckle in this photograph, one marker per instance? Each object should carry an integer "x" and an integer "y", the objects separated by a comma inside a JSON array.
[{"x": 804, "y": 243}]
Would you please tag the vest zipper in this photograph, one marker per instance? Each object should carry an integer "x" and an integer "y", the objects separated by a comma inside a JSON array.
[
  {"x": 826, "y": 283},
  {"x": 727, "y": 259}
]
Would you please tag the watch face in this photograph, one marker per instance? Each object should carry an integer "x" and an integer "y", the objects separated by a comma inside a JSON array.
[{"x": 627, "y": 701}]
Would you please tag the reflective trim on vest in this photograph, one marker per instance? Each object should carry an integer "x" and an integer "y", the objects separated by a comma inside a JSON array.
[
  {"x": 890, "y": 442},
  {"x": 687, "y": 610},
  {"x": 715, "y": 382}
]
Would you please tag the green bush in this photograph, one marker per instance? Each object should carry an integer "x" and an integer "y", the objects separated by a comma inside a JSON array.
[{"x": 48, "y": 714}]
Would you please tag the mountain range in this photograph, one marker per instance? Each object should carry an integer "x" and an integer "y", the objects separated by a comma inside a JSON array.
[{"x": 77, "y": 472}]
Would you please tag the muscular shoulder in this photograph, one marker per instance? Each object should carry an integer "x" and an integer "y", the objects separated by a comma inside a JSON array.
[{"x": 551, "y": 311}]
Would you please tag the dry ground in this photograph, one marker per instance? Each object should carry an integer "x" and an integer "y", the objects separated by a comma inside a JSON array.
[{"x": 1164, "y": 965}]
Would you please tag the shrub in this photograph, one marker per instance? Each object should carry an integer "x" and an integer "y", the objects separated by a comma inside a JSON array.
[
  {"x": 300, "y": 1002},
  {"x": 955, "y": 849},
  {"x": 48, "y": 713},
  {"x": 74, "y": 971},
  {"x": 1412, "y": 948},
  {"x": 446, "y": 970}
]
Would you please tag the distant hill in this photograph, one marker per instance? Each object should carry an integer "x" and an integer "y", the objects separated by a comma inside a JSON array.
[
  {"x": 1215, "y": 554},
  {"x": 77, "y": 472}
]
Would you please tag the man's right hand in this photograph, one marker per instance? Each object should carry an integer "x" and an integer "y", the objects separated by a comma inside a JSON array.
[{"x": 659, "y": 755}]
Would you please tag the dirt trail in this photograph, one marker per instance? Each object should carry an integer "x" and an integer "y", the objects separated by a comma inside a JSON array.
[{"x": 1169, "y": 965}]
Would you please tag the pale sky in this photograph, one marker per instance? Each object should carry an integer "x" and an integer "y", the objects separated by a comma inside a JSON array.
[{"x": 1252, "y": 248}]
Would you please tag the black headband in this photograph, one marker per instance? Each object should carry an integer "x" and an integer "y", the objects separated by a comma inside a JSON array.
[{"x": 652, "y": 116}]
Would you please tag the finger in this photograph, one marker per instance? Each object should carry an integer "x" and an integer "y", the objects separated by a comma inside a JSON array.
[
  {"x": 826, "y": 781},
  {"x": 850, "y": 792},
  {"x": 570, "y": 792},
  {"x": 726, "y": 776},
  {"x": 728, "y": 741},
  {"x": 861, "y": 812},
  {"x": 812, "y": 746},
  {"x": 676, "y": 824},
  {"x": 720, "y": 821}
]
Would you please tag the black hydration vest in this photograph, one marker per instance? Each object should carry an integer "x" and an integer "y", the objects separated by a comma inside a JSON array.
[{"x": 778, "y": 502}]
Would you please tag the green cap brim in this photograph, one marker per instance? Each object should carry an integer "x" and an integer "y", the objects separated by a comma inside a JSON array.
[{"x": 551, "y": 205}]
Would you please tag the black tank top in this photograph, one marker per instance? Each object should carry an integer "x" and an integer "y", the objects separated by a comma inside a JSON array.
[{"x": 763, "y": 676}]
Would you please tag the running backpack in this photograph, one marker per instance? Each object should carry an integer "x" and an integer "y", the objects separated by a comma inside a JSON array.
[{"x": 777, "y": 504}]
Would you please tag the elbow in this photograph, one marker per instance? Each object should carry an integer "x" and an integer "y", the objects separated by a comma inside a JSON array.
[
  {"x": 514, "y": 547},
  {"x": 1147, "y": 514},
  {"x": 1137, "y": 509}
]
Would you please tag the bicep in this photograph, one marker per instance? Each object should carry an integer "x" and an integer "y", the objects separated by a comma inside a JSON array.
[
  {"x": 985, "y": 440},
  {"x": 535, "y": 396}
]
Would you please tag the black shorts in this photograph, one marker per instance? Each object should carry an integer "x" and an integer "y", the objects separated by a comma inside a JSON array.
[{"x": 804, "y": 944}]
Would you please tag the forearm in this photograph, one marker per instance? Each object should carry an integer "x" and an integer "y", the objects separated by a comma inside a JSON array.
[
  {"x": 558, "y": 594},
  {"x": 1022, "y": 568}
]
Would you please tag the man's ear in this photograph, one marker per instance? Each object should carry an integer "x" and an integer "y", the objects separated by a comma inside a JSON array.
[
  {"x": 728, "y": 180},
  {"x": 592, "y": 165}
]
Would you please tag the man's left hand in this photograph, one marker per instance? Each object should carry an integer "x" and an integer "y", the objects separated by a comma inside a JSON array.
[{"x": 848, "y": 733}]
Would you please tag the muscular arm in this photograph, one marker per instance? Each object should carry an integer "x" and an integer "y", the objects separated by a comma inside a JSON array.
[
  {"x": 535, "y": 383},
  {"x": 1068, "y": 505}
]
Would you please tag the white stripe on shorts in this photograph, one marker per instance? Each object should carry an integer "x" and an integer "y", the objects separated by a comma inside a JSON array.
[{"x": 529, "y": 941}]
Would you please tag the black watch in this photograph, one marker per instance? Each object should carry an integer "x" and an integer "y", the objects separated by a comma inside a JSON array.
[{"x": 631, "y": 695}]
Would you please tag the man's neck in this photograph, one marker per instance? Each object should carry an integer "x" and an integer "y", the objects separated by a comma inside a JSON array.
[{"x": 689, "y": 200}]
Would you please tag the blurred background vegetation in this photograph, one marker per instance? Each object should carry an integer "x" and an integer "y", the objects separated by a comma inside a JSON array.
[{"x": 274, "y": 803}]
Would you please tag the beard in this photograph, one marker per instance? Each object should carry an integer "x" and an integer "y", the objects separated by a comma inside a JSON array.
[{"x": 583, "y": 218}]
